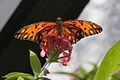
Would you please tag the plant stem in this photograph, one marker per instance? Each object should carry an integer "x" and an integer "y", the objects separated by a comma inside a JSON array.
[
  {"x": 45, "y": 66},
  {"x": 52, "y": 57}
]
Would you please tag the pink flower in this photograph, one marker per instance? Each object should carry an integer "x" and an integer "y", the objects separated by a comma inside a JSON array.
[
  {"x": 56, "y": 48},
  {"x": 66, "y": 58},
  {"x": 72, "y": 78}
]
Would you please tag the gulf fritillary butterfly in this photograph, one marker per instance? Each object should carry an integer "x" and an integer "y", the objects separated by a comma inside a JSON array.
[{"x": 73, "y": 30}]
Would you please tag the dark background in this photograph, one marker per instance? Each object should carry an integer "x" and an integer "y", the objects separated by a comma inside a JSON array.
[{"x": 14, "y": 54}]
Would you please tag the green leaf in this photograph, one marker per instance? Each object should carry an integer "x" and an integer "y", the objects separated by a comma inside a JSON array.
[
  {"x": 110, "y": 63},
  {"x": 115, "y": 76},
  {"x": 20, "y": 78},
  {"x": 92, "y": 73},
  {"x": 83, "y": 72},
  {"x": 15, "y": 75},
  {"x": 35, "y": 63}
]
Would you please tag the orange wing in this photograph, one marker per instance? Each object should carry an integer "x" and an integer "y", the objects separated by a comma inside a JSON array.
[
  {"x": 36, "y": 31},
  {"x": 74, "y": 30}
]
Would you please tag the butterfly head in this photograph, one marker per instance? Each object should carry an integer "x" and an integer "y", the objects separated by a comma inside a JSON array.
[{"x": 59, "y": 21}]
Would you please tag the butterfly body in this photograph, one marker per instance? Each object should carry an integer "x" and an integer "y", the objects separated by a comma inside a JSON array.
[{"x": 74, "y": 30}]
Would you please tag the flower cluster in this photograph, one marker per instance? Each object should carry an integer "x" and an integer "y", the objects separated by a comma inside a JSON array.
[{"x": 56, "y": 48}]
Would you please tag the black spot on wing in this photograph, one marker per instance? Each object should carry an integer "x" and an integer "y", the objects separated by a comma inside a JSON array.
[{"x": 85, "y": 28}]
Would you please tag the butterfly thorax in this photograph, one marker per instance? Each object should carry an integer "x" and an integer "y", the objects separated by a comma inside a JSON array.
[{"x": 59, "y": 23}]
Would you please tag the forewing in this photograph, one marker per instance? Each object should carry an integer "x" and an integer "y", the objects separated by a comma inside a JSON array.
[
  {"x": 36, "y": 31},
  {"x": 77, "y": 29}
]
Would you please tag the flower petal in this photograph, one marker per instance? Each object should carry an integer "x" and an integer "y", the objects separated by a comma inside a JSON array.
[
  {"x": 59, "y": 45},
  {"x": 42, "y": 53}
]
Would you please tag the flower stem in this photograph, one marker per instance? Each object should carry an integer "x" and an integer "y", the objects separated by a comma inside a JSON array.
[{"x": 43, "y": 69}]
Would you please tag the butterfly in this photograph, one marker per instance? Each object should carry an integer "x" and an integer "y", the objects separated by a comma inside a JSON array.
[{"x": 73, "y": 30}]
